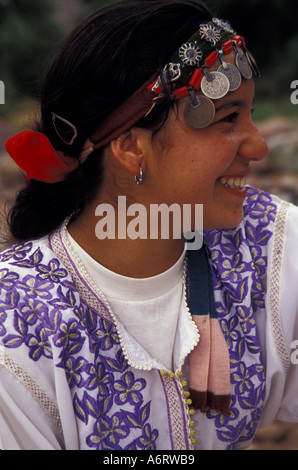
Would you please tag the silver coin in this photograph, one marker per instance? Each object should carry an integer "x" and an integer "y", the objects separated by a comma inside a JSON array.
[
  {"x": 253, "y": 64},
  {"x": 243, "y": 65},
  {"x": 200, "y": 116},
  {"x": 216, "y": 88},
  {"x": 233, "y": 75}
]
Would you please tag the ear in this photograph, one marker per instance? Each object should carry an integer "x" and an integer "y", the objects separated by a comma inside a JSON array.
[{"x": 128, "y": 149}]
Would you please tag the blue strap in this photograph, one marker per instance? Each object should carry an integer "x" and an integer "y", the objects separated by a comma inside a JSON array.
[{"x": 200, "y": 286}]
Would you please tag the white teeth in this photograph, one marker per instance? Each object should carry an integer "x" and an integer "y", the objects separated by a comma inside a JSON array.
[{"x": 236, "y": 182}]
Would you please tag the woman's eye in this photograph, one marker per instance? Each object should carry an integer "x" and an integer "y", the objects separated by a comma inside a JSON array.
[{"x": 231, "y": 118}]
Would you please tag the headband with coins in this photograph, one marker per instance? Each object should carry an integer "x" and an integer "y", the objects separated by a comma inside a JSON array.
[{"x": 187, "y": 74}]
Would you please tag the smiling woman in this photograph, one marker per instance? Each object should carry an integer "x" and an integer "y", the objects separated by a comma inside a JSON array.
[{"x": 134, "y": 343}]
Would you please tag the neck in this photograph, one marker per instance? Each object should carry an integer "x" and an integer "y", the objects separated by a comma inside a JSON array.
[{"x": 136, "y": 258}]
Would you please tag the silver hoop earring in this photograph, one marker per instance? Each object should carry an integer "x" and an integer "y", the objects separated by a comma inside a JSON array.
[{"x": 139, "y": 179}]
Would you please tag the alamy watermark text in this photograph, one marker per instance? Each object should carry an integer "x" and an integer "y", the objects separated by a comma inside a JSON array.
[
  {"x": 2, "y": 92},
  {"x": 294, "y": 95},
  {"x": 159, "y": 221}
]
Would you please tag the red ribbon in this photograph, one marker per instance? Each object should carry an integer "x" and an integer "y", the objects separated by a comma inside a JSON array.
[{"x": 34, "y": 153}]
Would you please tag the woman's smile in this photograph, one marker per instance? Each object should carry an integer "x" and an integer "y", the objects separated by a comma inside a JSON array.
[{"x": 234, "y": 182}]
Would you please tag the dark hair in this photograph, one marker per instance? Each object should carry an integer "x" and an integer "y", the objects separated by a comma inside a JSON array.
[{"x": 102, "y": 62}]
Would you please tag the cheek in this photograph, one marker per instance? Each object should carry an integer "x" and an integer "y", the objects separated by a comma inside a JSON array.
[
  {"x": 194, "y": 174},
  {"x": 194, "y": 160}
]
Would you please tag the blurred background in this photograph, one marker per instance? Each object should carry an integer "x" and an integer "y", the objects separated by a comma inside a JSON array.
[{"x": 31, "y": 31}]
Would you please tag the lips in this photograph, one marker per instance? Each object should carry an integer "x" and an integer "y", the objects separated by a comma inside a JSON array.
[{"x": 234, "y": 182}]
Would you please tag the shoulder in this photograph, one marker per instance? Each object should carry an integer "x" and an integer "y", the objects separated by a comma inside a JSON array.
[
  {"x": 39, "y": 305},
  {"x": 32, "y": 259},
  {"x": 20, "y": 254},
  {"x": 34, "y": 286}
]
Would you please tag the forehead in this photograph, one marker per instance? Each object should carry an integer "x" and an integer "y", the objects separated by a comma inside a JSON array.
[
  {"x": 234, "y": 101},
  {"x": 241, "y": 97}
]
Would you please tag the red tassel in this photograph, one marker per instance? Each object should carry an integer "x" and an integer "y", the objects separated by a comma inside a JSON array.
[{"x": 34, "y": 153}]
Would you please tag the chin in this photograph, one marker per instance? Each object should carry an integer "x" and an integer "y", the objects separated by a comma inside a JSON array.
[{"x": 231, "y": 221}]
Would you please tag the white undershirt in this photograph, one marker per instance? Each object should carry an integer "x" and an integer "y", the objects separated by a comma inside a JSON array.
[{"x": 148, "y": 308}]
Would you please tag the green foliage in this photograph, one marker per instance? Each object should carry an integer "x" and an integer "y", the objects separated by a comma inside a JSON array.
[
  {"x": 95, "y": 4},
  {"x": 28, "y": 34}
]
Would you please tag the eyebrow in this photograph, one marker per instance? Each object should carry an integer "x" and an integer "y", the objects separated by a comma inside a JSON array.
[{"x": 228, "y": 105}]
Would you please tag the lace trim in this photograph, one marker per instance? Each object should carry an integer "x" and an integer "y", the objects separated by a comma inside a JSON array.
[
  {"x": 179, "y": 422},
  {"x": 82, "y": 280},
  {"x": 46, "y": 403},
  {"x": 279, "y": 237}
]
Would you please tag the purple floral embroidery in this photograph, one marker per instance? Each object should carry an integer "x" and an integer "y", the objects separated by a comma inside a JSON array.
[
  {"x": 39, "y": 344},
  {"x": 246, "y": 318},
  {"x": 138, "y": 418},
  {"x": 148, "y": 440},
  {"x": 67, "y": 335},
  {"x": 7, "y": 280},
  {"x": 127, "y": 389},
  {"x": 74, "y": 368},
  {"x": 29, "y": 261},
  {"x": 263, "y": 211},
  {"x": 16, "y": 252},
  {"x": 239, "y": 294},
  {"x": 3, "y": 317},
  {"x": 33, "y": 310},
  {"x": 232, "y": 434},
  {"x": 230, "y": 331},
  {"x": 119, "y": 364},
  {"x": 64, "y": 300},
  {"x": 241, "y": 378},
  {"x": 21, "y": 328},
  {"x": 98, "y": 378},
  {"x": 107, "y": 433},
  {"x": 45, "y": 312},
  {"x": 259, "y": 261},
  {"x": 36, "y": 288},
  {"x": 222, "y": 420},
  {"x": 52, "y": 271},
  {"x": 106, "y": 336}
]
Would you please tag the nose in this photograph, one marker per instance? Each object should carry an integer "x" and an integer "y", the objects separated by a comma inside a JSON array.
[{"x": 253, "y": 146}]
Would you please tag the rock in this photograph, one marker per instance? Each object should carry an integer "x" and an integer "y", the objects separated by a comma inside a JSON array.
[{"x": 277, "y": 126}]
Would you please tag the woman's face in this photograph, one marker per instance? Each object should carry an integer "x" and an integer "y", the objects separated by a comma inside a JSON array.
[{"x": 209, "y": 166}]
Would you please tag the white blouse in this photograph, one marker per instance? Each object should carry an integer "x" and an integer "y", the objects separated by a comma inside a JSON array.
[
  {"x": 142, "y": 305},
  {"x": 44, "y": 402}
]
